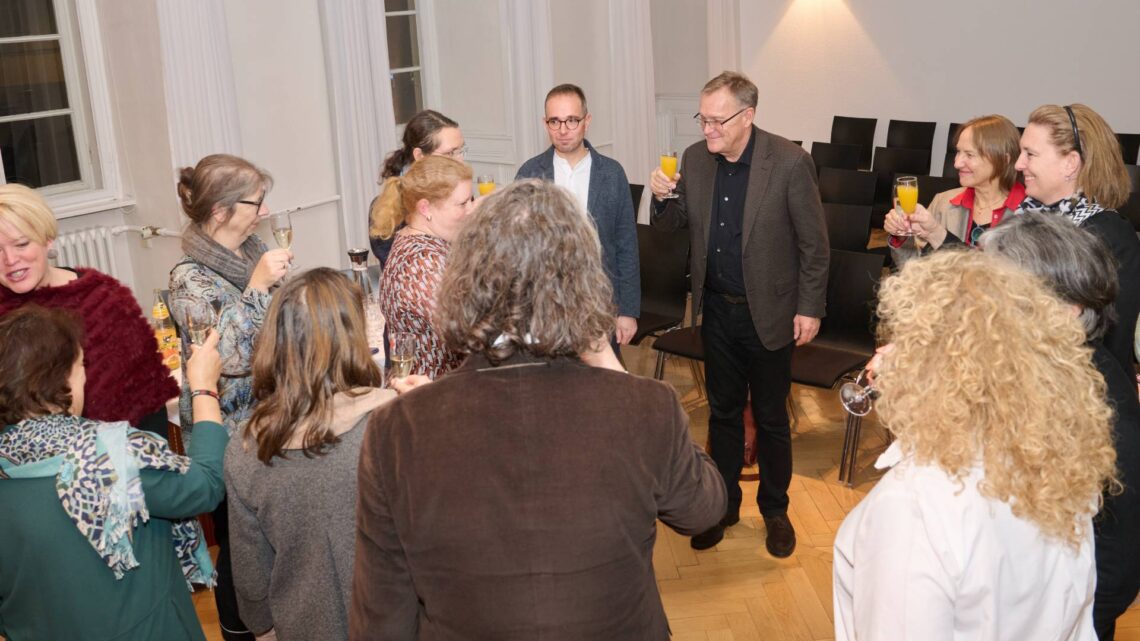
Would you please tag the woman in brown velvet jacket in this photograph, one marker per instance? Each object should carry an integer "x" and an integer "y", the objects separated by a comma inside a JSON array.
[{"x": 516, "y": 497}]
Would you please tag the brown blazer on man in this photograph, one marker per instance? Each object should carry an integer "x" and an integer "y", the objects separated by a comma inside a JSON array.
[
  {"x": 520, "y": 502},
  {"x": 784, "y": 235}
]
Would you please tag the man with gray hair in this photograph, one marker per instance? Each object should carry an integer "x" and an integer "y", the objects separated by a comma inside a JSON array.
[
  {"x": 759, "y": 273},
  {"x": 1081, "y": 270}
]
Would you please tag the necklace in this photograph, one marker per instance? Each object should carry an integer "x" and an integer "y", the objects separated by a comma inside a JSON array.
[
  {"x": 422, "y": 231},
  {"x": 983, "y": 211}
]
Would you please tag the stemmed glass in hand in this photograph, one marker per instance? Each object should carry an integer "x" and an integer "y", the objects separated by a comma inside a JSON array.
[
  {"x": 906, "y": 199},
  {"x": 282, "y": 226},
  {"x": 669, "y": 168},
  {"x": 200, "y": 318},
  {"x": 857, "y": 396}
]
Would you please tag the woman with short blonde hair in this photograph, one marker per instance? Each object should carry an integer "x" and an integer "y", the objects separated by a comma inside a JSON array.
[{"x": 983, "y": 524}]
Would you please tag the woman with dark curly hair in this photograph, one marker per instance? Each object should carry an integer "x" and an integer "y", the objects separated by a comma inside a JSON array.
[{"x": 459, "y": 546}]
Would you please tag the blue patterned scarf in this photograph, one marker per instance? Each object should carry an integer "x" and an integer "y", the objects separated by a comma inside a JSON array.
[{"x": 96, "y": 468}]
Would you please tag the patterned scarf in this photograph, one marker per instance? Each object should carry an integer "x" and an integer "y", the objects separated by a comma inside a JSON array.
[
  {"x": 96, "y": 469},
  {"x": 207, "y": 251},
  {"x": 1077, "y": 208}
]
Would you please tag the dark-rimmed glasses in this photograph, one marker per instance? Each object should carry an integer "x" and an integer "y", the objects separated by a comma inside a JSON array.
[
  {"x": 256, "y": 203},
  {"x": 715, "y": 123},
  {"x": 554, "y": 124}
]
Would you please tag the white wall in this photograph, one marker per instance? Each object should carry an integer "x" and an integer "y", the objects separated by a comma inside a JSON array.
[
  {"x": 283, "y": 106},
  {"x": 679, "y": 46},
  {"x": 582, "y": 56},
  {"x": 941, "y": 61}
]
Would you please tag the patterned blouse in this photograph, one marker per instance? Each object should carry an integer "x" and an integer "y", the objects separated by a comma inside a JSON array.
[
  {"x": 240, "y": 315},
  {"x": 407, "y": 299}
]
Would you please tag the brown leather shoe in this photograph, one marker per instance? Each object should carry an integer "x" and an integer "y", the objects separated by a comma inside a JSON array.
[
  {"x": 708, "y": 538},
  {"x": 781, "y": 540}
]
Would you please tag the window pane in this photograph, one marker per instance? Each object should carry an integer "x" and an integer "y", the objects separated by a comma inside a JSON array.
[
  {"x": 26, "y": 18},
  {"x": 399, "y": 5},
  {"x": 39, "y": 152},
  {"x": 31, "y": 78},
  {"x": 403, "y": 42},
  {"x": 407, "y": 97}
]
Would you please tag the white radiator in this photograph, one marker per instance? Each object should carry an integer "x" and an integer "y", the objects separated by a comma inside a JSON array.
[{"x": 90, "y": 247}]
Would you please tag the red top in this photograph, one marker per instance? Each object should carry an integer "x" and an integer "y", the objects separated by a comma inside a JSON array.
[{"x": 126, "y": 379}]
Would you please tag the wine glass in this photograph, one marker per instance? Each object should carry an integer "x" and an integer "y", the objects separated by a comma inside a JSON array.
[
  {"x": 857, "y": 397},
  {"x": 906, "y": 198},
  {"x": 669, "y": 168},
  {"x": 200, "y": 317},
  {"x": 486, "y": 185},
  {"x": 282, "y": 226},
  {"x": 401, "y": 356}
]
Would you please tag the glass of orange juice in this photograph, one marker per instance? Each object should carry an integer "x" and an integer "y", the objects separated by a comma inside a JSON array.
[
  {"x": 906, "y": 196},
  {"x": 669, "y": 168},
  {"x": 486, "y": 185}
]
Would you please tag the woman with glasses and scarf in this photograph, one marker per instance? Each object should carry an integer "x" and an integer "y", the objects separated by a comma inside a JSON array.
[
  {"x": 428, "y": 133},
  {"x": 228, "y": 267},
  {"x": 1073, "y": 168}
]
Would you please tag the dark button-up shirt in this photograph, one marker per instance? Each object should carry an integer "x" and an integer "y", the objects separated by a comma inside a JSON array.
[{"x": 726, "y": 251}]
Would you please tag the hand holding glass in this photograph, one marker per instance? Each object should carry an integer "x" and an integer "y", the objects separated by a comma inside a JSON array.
[
  {"x": 669, "y": 168},
  {"x": 857, "y": 397},
  {"x": 906, "y": 198},
  {"x": 200, "y": 318},
  {"x": 401, "y": 356}
]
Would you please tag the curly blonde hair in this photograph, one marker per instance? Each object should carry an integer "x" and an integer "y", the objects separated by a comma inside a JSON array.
[
  {"x": 988, "y": 364},
  {"x": 525, "y": 274}
]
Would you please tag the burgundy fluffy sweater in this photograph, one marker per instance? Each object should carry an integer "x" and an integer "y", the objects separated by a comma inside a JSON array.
[{"x": 126, "y": 379}]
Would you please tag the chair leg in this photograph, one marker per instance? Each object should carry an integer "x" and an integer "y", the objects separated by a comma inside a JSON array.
[
  {"x": 850, "y": 449},
  {"x": 793, "y": 415},
  {"x": 659, "y": 370},
  {"x": 699, "y": 378}
]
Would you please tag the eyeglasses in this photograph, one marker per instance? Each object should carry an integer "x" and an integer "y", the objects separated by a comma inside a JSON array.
[
  {"x": 554, "y": 124},
  {"x": 715, "y": 123},
  {"x": 256, "y": 203},
  {"x": 454, "y": 153}
]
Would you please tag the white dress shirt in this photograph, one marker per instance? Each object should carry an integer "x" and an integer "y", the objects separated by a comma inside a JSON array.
[
  {"x": 576, "y": 179},
  {"x": 922, "y": 557}
]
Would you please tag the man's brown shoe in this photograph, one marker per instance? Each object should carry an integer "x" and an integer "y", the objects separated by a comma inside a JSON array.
[{"x": 781, "y": 540}]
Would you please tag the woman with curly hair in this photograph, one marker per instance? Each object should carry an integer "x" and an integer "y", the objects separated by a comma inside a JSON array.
[
  {"x": 495, "y": 544},
  {"x": 1080, "y": 270},
  {"x": 982, "y": 527}
]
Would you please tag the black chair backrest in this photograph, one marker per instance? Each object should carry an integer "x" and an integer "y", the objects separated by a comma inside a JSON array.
[
  {"x": 664, "y": 260},
  {"x": 848, "y": 226},
  {"x": 930, "y": 186},
  {"x": 852, "y": 285},
  {"x": 1129, "y": 147},
  {"x": 826, "y": 154},
  {"x": 1131, "y": 209},
  {"x": 635, "y": 191},
  {"x": 798, "y": 142},
  {"x": 846, "y": 130},
  {"x": 846, "y": 186},
  {"x": 950, "y": 135},
  {"x": 911, "y": 134},
  {"x": 948, "y": 170}
]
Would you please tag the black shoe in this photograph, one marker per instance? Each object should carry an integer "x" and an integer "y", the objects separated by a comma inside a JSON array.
[
  {"x": 708, "y": 538},
  {"x": 731, "y": 517},
  {"x": 781, "y": 541}
]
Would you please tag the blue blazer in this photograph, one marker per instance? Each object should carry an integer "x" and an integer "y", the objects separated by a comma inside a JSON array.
[{"x": 611, "y": 208}]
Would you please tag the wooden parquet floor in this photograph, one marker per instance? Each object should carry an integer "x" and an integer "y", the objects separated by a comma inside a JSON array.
[{"x": 737, "y": 591}]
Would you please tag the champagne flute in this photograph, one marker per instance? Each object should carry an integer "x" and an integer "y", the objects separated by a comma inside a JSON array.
[
  {"x": 282, "y": 226},
  {"x": 486, "y": 185},
  {"x": 402, "y": 354},
  {"x": 857, "y": 397},
  {"x": 906, "y": 198},
  {"x": 200, "y": 318},
  {"x": 669, "y": 168}
]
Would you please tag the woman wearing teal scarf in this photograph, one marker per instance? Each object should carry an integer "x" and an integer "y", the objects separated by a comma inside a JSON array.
[{"x": 98, "y": 539}]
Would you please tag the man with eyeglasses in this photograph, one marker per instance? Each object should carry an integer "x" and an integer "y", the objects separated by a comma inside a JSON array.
[
  {"x": 600, "y": 185},
  {"x": 759, "y": 260}
]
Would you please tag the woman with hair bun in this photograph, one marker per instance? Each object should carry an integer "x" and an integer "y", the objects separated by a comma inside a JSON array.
[
  {"x": 431, "y": 202},
  {"x": 428, "y": 133},
  {"x": 229, "y": 268}
]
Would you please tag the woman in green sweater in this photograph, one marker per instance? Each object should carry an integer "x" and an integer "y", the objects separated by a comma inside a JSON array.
[{"x": 98, "y": 539}]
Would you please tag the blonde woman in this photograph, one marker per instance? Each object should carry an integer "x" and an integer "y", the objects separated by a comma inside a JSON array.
[
  {"x": 431, "y": 202},
  {"x": 982, "y": 527}
]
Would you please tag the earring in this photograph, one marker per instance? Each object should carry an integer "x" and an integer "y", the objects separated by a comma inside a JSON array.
[
  {"x": 52, "y": 253},
  {"x": 428, "y": 217}
]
